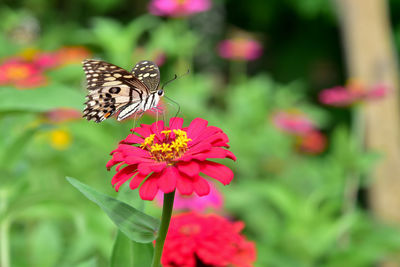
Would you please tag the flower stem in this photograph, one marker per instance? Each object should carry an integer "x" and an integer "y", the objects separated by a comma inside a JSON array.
[{"x": 162, "y": 233}]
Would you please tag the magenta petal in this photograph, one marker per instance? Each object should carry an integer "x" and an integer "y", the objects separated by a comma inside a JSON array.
[
  {"x": 167, "y": 179},
  {"x": 201, "y": 186},
  {"x": 133, "y": 139},
  {"x": 190, "y": 168},
  {"x": 156, "y": 128},
  {"x": 144, "y": 130},
  {"x": 196, "y": 127},
  {"x": 215, "y": 152},
  {"x": 184, "y": 185},
  {"x": 175, "y": 123},
  {"x": 127, "y": 171},
  {"x": 148, "y": 167},
  {"x": 137, "y": 180},
  {"x": 149, "y": 189},
  {"x": 217, "y": 171}
]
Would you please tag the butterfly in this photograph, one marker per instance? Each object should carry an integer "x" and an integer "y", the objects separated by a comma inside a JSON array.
[{"x": 113, "y": 89}]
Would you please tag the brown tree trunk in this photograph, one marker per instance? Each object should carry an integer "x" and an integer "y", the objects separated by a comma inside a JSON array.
[{"x": 370, "y": 57}]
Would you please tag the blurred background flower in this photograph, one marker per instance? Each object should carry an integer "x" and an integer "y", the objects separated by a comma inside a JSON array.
[
  {"x": 213, "y": 201},
  {"x": 240, "y": 48},
  {"x": 178, "y": 8}
]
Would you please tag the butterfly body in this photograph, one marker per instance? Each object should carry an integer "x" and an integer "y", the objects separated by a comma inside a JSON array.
[{"x": 113, "y": 89}]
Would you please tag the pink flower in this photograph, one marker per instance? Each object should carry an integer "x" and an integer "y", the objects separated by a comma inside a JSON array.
[
  {"x": 168, "y": 158},
  {"x": 21, "y": 74},
  {"x": 313, "y": 142},
  {"x": 45, "y": 60},
  {"x": 240, "y": 49},
  {"x": 206, "y": 240},
  {"x": 178, "y": 8},
  {"x": 213, "y": 200},
  {"x": 62, "y": 115},
  {"x": 353, "y": 93},
  {"x": 294, "y": 122}
]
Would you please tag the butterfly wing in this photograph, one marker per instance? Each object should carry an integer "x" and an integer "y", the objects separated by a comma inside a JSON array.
[
  {"x": 148, "y": 73},
  {"x": 111, "y": 88}
]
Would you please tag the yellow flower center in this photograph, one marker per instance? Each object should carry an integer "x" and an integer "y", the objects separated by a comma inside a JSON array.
[
  {"x": 17, "y": 72},
  {"x": 170, "y": 149},
  {"x": 60, "y": 139}
]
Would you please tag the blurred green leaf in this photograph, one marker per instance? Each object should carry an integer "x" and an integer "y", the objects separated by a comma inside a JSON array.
[
  {"x": 40, "y": 99},
  {"x": 130, "y": 253},
  {"x": 122, "y": 251},
  {"x": 137, "y": 225},
  {"x": 45, "y": 240}
]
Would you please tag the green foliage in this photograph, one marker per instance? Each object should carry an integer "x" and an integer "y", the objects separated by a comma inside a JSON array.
[{"x": 134, "y": 224}]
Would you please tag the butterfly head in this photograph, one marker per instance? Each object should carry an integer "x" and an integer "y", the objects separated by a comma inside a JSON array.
[{"x": 160, "y": 92}]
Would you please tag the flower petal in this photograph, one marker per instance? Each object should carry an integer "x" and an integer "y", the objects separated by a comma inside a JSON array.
[
  {"x": 132, "y": 139},
  {"x": 190, "y": 168},
  {"x": 217, "y": 171},
  {"x": 175, "y": 123},
  {"x": 123, "y": 175},
  {"x": 149, "y": 189},
  {"x": 156, "y": 129},
  {"x": 215, "y": 152},
  {"x": 196, "y": 127},
  {"x": 167, "y": 179},
  {"x": 148, "y": 167},
  {"x": 184, "y": 185},
  {"x": 201, "y": 187},
  {"x": 137, "y": 180},
  {"x": 144, "y": 130}
]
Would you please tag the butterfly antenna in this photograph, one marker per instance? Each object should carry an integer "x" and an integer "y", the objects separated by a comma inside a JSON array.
[{"x": 173, "y": 79}]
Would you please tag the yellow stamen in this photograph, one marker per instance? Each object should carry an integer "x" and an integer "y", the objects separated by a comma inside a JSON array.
[{"x": 170, "y": 149}]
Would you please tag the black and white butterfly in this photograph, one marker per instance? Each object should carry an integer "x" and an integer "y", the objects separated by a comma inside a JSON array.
[{"x": 113, "y": 89}]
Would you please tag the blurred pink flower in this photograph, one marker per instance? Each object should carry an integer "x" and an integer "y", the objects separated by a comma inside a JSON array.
[
  {"x": 313, "y": 142},
  {"x": 178, "y": 8},
  {"x": 46, "y": 60},
  {"x": 59, "y": 115},
  {"x": 240, "y": 49},
  {"x": 21, "y": 74},
  {"x": 213, "y": 200},
  {"x": 355, "y": 92},
  {"x": 293, "y": 122}
]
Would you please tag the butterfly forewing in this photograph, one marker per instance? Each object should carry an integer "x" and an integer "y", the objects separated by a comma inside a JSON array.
[
  {"x": 111, "y": 88},
  {"x": 147, "y": 72}
]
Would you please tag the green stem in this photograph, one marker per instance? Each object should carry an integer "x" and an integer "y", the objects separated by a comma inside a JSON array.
[
  {"x": 162, "y": 233},
  {"x": 4, "y": 231}
]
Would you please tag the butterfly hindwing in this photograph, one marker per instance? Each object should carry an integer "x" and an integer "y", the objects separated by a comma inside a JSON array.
[
  {"x": 148, "y": 73},
  {"x": 111, "y": 88}
]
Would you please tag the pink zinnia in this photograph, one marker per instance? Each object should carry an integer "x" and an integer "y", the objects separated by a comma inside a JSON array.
[
  {"x": 293, "y": 122},
  {"x": 178, "y": 8},
  {"x": 340, "y": 96},
  {"x": 169, "y": 158},
  {"x": 240, "y": 49},
  {"x": 21, "y": 74},
  {"x": 213, "y": 200},
  {"x": 210, "y": 239}
]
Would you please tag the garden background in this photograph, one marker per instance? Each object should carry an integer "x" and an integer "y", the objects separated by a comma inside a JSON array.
[{"x": 305, "y": 90}]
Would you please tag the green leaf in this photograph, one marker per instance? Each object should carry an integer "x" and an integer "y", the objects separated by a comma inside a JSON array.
[
  {"x": 137, "y": 225},
  {"x": 40, "y": 99},
  {"x": 122, "y": 251},
  {"x": 130, "y": 253}
]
